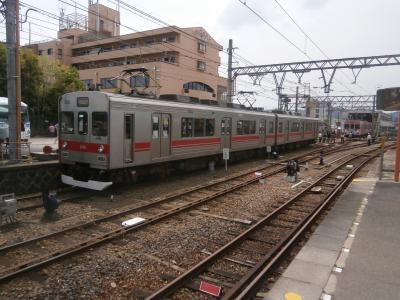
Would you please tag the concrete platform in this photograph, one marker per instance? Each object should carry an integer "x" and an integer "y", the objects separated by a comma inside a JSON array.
[{"x": 355, "y": 252}]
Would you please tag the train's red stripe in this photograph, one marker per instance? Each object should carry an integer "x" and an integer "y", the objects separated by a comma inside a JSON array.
[
  {"x": 245, "y": 138},
  {"x": 142, "y": 146},
  {"x": 84, "y": 147},
  {"x": 195, "y": 142}
]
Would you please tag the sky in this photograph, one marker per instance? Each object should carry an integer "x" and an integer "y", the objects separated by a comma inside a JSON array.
[{"x": 341, "y": 28}]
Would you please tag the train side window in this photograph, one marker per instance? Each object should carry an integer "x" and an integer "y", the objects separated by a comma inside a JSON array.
[
  {"x": 239, "y": 127},
  {"x": 252, "y": 127},
  {"x": 271, "y": 127},
  {"x": 295, "y": 127},
  {"x": 156, "y": 127},
  {"x": 82, "y": 122},
  {"x": 67, "y": 122},
  {"x": 280, "y": 127},
  {"x": 210, "y": 125},
  {"x": 261, "y": 128},
  {"x": 187, "y": 127},
  {"x": 199, "y": 127},
  {"x": 99, "y": 124}
]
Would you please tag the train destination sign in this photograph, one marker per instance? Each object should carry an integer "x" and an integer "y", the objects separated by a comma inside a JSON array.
[{"x": 388, "y": 99}]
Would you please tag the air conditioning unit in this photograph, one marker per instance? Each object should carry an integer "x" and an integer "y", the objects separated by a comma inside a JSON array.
[{"x": 186, "y": 90}]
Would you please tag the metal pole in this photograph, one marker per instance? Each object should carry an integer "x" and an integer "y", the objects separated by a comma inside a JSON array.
[
  {"x": 297, "y": 99},
  {"x": 13, "y": 93},
  {"x": 397, "y": 165},
  {"x": 230, "y": 81},
  {"x": 18, "y": 82}
]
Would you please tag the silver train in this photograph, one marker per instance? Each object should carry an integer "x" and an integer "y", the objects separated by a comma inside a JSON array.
[{"x": 105, "y": 137}]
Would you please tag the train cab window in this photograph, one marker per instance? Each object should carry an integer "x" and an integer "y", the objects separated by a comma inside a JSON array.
[
  {"x": 67, "y": 122},
  {"x": 99, "y": 124},
  {"x": 187, "y": 127},
  {"x": 271, "y": 127},
  {"x": 165, "y": 128},
  {"x": 280, "y": 127},
  {"x": 82, "y": 123},
  {"x": 199, "y": 127},
  {"x": 156, "y": 127},
  {"x": 82, "y": 101},
  {"x": 210, "y": 125}
]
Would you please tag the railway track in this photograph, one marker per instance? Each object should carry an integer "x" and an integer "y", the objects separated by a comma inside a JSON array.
[
  {"x": 238, "y": 269},
  {"x": 33, "y": 201},
  {"x": 28, "y": 254}
]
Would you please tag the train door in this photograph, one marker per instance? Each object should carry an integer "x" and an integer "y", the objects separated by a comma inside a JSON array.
[
  {"x": 262, "y": 131},
  {"x": 128, "y": 137},
  {"x": 161, "y": 135},
  {"x": 226, "y": 132}
]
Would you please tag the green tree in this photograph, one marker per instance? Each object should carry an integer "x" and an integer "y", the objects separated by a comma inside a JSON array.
[{"x": 3, "y": 71}]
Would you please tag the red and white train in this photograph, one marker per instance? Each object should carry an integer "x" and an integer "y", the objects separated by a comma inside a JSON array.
[{"x": 105, "y": 137}]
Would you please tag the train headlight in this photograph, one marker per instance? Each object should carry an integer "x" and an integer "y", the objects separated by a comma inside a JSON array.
[
  {"x": 100, "y": 149},
  {"x": 65, "y": 145}
]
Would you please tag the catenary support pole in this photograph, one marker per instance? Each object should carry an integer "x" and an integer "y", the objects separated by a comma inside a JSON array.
[
  {"x": 397, "y": 164},
  {"x": 230, "y": 80},
  {"x": 13, "y": 93}
]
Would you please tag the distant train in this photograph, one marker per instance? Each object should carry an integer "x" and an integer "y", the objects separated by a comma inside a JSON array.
[
  {"x": 4, "y": 125},
  {"x": 357, "y": 128},
  {"x": 105, "y": 137}
]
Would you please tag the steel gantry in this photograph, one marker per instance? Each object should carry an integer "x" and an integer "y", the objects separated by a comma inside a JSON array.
[
  {"x": 300, "y": 68},
  {"x": 362, "y": 102}
]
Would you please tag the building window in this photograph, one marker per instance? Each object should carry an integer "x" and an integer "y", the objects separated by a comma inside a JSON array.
[
  {"x": 134, "y": 45},
  {"x": 201, "y": 65},
  {"x": 88, "y": 83},
  {"x": 101, "y": 25},
  {"x": 199, "y": 86},
  {"x": 60, "y": 53},
  {"x": 149, "y": 42},
  {"x": 40, "y": 52},
  {"x": 124, "y": 46},
  {"x": 139, "y": 81},
  {"x": 201, "y": 46},
  {"x": 108, "y": 83},
  {"x": 50, "y": 51},
  {"x": 130, "y": 61},
  {"x": 169, "y": 59}
]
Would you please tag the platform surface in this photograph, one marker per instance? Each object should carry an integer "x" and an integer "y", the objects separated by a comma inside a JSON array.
[{"x": 355, "y": 252}]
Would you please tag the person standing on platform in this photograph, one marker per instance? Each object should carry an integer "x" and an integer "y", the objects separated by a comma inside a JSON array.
[
  {"x": 369, "y": 139},
  {"x": 342, "y": 137}
]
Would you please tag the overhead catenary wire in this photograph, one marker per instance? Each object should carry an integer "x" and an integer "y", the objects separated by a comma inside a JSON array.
[{"x": 284, "y": 37}]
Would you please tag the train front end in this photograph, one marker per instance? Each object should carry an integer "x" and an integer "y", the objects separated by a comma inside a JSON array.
[{"x": 84, "y": 139}]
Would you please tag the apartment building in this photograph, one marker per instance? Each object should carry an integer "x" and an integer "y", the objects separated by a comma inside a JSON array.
[{"x": 168, "y": 60}]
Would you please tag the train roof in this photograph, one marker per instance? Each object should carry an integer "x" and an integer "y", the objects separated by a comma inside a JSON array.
[
  {"x": 149, "y": 101},
  {"x": 4, "y": 101}
]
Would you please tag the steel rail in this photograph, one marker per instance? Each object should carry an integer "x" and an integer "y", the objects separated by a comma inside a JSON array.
[
  {"x": 77, "y": 247},
  {"x": 113, "y": 234},
  {"x": 179, "y": 282},
  {"x": 157, "y": 201}
]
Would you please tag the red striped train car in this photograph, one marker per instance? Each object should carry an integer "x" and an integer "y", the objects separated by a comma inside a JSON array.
[{"x": 105, "y": 137}]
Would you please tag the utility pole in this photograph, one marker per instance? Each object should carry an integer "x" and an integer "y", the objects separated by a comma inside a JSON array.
[
  {"x": 297, "y": 99},
  {"x": 230, "y": 81},
  {"x": 13, "y": 78}
]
